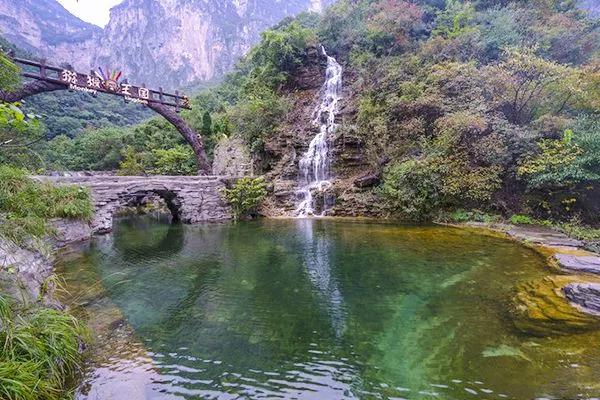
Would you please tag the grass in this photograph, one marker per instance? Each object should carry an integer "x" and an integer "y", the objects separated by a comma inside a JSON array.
[
  {"x": 26, "y": 205},
  {"x": 519, "y": 219},
  {"x": 40, "y": 352},
  {"x": 462, "y": 216}
]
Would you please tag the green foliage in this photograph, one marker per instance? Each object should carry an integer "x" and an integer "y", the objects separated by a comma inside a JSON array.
[
  {"x": 96, "y": 150},
  {"x": 279, "y": 54},
  {"x": 418, "y": 189},
  {"x": 518, "y": 219},
  {"x": 26, "y": 205},
  {"x": 245, "y": 196},
  {"x": 206, "y": 130},
  {"x": 18, "y": 133},
  {"x": 131, "y": 165},
  {"x": 178, "y": 160},
  {"x": 527, "y": 86},
  {"x": 455, "y": 20},
  {"x": 71, "y": 114},
  {"x": 412, "y": 188},
  {"x": 9, "y": 74},
  {"x": 567, "y": 162},
  {"x": 462, "y": 216},
  {"x": 154, "y": 147},
  {"x": 40, "y": 352},
  {"x": 255, "y": 118},
  {"x": 475, "y": 106}
]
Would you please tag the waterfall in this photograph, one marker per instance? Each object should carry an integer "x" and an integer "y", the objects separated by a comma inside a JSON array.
[{"x": 314, "y": 164}]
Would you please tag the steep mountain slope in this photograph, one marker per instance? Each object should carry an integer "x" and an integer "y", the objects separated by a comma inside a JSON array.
[
  {"x": 166, "y": 42},
  {"x": 593, "y": 6},
  {"x": 46, "y": 28}
]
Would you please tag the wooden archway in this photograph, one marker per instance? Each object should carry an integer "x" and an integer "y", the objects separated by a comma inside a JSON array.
[{"x": 47, "y": 78}]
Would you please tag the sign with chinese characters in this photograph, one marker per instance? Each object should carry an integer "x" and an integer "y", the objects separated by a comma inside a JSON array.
[
  {"x": 102, "y": 80},
  {"x": 105, "y": 80}
]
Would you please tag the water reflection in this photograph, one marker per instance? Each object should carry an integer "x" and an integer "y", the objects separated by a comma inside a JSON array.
[
  {"x": 316, "y": 259},
  {"x": 316, "y": 309}
]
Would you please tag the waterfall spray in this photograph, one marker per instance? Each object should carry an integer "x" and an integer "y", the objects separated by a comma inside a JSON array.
[{"x": 314, "y": 164}]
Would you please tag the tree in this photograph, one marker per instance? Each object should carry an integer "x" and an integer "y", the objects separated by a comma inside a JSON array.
[
  {"x": 526, "y": 85},
  {"x": 456, "y": 19},
  {"x": 392, "y": 24},
  {"x": 245, "y": 196},
  {"x": 206, "y": 124}
]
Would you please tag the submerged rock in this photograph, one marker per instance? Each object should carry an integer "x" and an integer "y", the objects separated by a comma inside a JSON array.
[
  {"x": 542, "y": 309},
  {"x": 504, "y": 351},
  {"x": 586, "y": 296},
  {"x": 590, "y": 264}
]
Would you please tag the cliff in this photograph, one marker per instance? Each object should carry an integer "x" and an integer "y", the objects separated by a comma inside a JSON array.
[{"x": 170, "y": 42}]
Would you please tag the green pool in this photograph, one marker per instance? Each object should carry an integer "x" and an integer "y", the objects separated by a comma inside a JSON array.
[{"x": 316, "y": 309}]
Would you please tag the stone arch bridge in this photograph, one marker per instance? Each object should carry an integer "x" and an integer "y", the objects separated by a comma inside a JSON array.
[{"x": 191, "y": 199}]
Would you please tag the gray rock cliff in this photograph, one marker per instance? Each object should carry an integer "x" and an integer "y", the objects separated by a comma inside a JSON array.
[{"x": 158, "y": 42}]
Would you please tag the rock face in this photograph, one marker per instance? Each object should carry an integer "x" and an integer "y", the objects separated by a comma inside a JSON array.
[
  {"x": 232, "y": 158},
  {"x": 191, "y": 199},
  {"x": 348, "y": 162},
  {"x": 584, "y": 295},
  {"x": 44, "y": 27},
  {"x": 24, "y": 271},
  {"x": 158, "y": 42},
  {"x": 544, "y": 236},
  {"x": 592, "y": 6}
]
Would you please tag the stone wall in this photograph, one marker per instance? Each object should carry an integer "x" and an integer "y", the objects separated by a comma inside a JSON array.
[{"x": 191, "y": 199}]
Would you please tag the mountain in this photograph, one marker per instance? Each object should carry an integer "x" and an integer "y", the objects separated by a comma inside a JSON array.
[
  {"x": 44, "y": 27},
  {"x": 170, "y": 43},
  {"x": 593, "y": 6}
]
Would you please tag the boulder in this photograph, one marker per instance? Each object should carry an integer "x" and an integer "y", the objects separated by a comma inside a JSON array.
[
  {"x": 586, "y": 296},
  {"x": 589, "y": 264},
  {"x": 366, "y": 181},
  {"x": 541, "y": 308}
]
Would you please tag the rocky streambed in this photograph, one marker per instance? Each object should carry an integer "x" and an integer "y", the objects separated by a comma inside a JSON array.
[{"x": 568, "y": 299}]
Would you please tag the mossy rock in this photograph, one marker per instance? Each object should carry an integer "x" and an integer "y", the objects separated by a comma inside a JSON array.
[{"x": 540, "y": 308}]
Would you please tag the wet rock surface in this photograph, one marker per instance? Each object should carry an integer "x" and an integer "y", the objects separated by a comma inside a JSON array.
[
  {"x": 584, "y": 295},
  {"x": 588, "y": 264},
  {"x": 544, "y": 236},
  {"x": 346, "y": 149},
  {"x": 542, "y": 309}
]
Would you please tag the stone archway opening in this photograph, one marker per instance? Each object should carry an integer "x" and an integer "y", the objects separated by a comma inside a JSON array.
[{"x": 160, "y": 201}]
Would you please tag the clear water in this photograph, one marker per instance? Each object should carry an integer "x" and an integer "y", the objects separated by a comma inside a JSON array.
[
  {"x": 315, "y": 309},
  {"x": 314, "y": 164}
]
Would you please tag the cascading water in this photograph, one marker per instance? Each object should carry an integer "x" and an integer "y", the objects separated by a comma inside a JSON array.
[{"x": 314, "y": 164}]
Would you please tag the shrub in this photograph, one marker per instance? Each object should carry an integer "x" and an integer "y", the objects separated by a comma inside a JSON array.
[
  {"x": 40, "y": 352},
  {"x": 412, "y": 188},
  {"x": 518, "y": 219},
  {"x": 245, "y": 196},
  {"x": 131, "y": 164}
]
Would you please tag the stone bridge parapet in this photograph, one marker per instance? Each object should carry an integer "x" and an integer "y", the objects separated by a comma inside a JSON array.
[{"x": 191, "y": 199}]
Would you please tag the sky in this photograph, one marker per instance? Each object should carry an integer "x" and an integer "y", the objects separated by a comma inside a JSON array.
[{"x": 93, "y": 11}]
